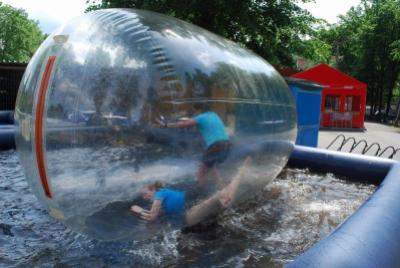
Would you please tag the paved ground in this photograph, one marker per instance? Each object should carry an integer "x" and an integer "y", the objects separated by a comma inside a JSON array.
[{"x": 374, "y": 133}]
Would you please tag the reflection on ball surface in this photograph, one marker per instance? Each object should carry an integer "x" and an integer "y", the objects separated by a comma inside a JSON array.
[{"x": 126, "y": 107}]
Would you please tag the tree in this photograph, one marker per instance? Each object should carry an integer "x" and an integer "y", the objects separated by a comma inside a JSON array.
[
  {"x": 271, "y": 28},
  {"x": 380, "y": 67},
  {"x": 366, "y": 45},
  {"x": 19, "y": 36},
  {"x": 316, "y": 51}
]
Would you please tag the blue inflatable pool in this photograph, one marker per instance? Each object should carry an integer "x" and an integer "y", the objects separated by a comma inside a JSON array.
[
  {"x": 7, "y": 130},
  {"x": 371, "y": 236}
]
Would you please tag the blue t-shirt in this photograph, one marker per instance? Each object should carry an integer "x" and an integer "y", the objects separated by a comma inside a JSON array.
[
  {"x": 173, "y": 202},
  {"x": 211, "y": 127}
]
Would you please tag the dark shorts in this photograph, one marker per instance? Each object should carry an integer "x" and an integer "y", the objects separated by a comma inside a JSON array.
[{"x": 216, "y": 153}]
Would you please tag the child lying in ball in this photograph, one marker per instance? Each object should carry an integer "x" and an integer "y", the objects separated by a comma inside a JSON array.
[
  {"x": 172, "y": 202},
  {"x": 168, "y": 201}
]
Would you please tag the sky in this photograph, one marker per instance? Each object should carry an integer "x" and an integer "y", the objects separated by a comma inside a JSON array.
[
  {"x": 329, "y": 9},
  {"x": 50, "y": 13},
  {"x": 53, "y": 13}
]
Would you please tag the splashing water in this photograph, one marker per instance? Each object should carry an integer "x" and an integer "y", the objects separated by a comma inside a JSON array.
[{"x": 293, "y": 212}]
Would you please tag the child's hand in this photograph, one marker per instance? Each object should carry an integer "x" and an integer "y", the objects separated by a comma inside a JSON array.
[
  {"x": 145, "y": 215},
  {"x": 136, "y": 209},
  {"x": 140, "y": 212},
  {"x": 161, "y": 121}
]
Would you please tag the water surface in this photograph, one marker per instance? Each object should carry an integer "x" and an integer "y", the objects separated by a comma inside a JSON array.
[{"x": 291, "y": 214}]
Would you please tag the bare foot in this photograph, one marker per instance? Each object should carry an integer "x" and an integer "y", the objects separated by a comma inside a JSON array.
[
  {"x": 228, "y": 194},
  {"x": 225, "y": 198},
  {"x": 220, "y": 184}
]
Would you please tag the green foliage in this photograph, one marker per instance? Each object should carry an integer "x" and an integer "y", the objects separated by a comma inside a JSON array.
[
  {"x": 271, "y": 28},
  {"x": 395, "y": 50},
  {"x": 366, "y": 44},
  {"x": 19, "y": 36},
  {"x": 316, "y": 51}
]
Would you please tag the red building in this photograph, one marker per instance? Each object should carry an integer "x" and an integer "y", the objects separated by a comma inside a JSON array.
[{"x": 343, "y": 97}]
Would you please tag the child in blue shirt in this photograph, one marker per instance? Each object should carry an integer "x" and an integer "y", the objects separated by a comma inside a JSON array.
[
  {"x": 172, "y": 202},
  {"x": 212, "y": 130},
  {"x": 165, "y": 200}
]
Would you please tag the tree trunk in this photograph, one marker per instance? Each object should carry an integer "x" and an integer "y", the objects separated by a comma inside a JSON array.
[
  {"x": 396, "y": 121},
  {"x": 388, "y": 104},
  {"x": 374, "y": 109},
  {"x": 371, "y": 110},
  {"x": 372, "y": 103},
  {"x": 380, "y": 103}
]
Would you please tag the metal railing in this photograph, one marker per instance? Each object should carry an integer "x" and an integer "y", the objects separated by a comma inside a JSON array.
[{"x": 375, "y": 148}]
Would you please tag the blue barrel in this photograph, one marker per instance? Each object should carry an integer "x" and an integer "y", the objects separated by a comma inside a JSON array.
[{"x": 308, "y": 104}]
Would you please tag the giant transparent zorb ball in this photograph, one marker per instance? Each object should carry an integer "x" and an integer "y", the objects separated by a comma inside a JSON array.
[{"x": 93, "y": 104}]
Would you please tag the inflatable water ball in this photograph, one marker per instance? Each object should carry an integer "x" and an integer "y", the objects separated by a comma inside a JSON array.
[{"x": 118, "y": 104}]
